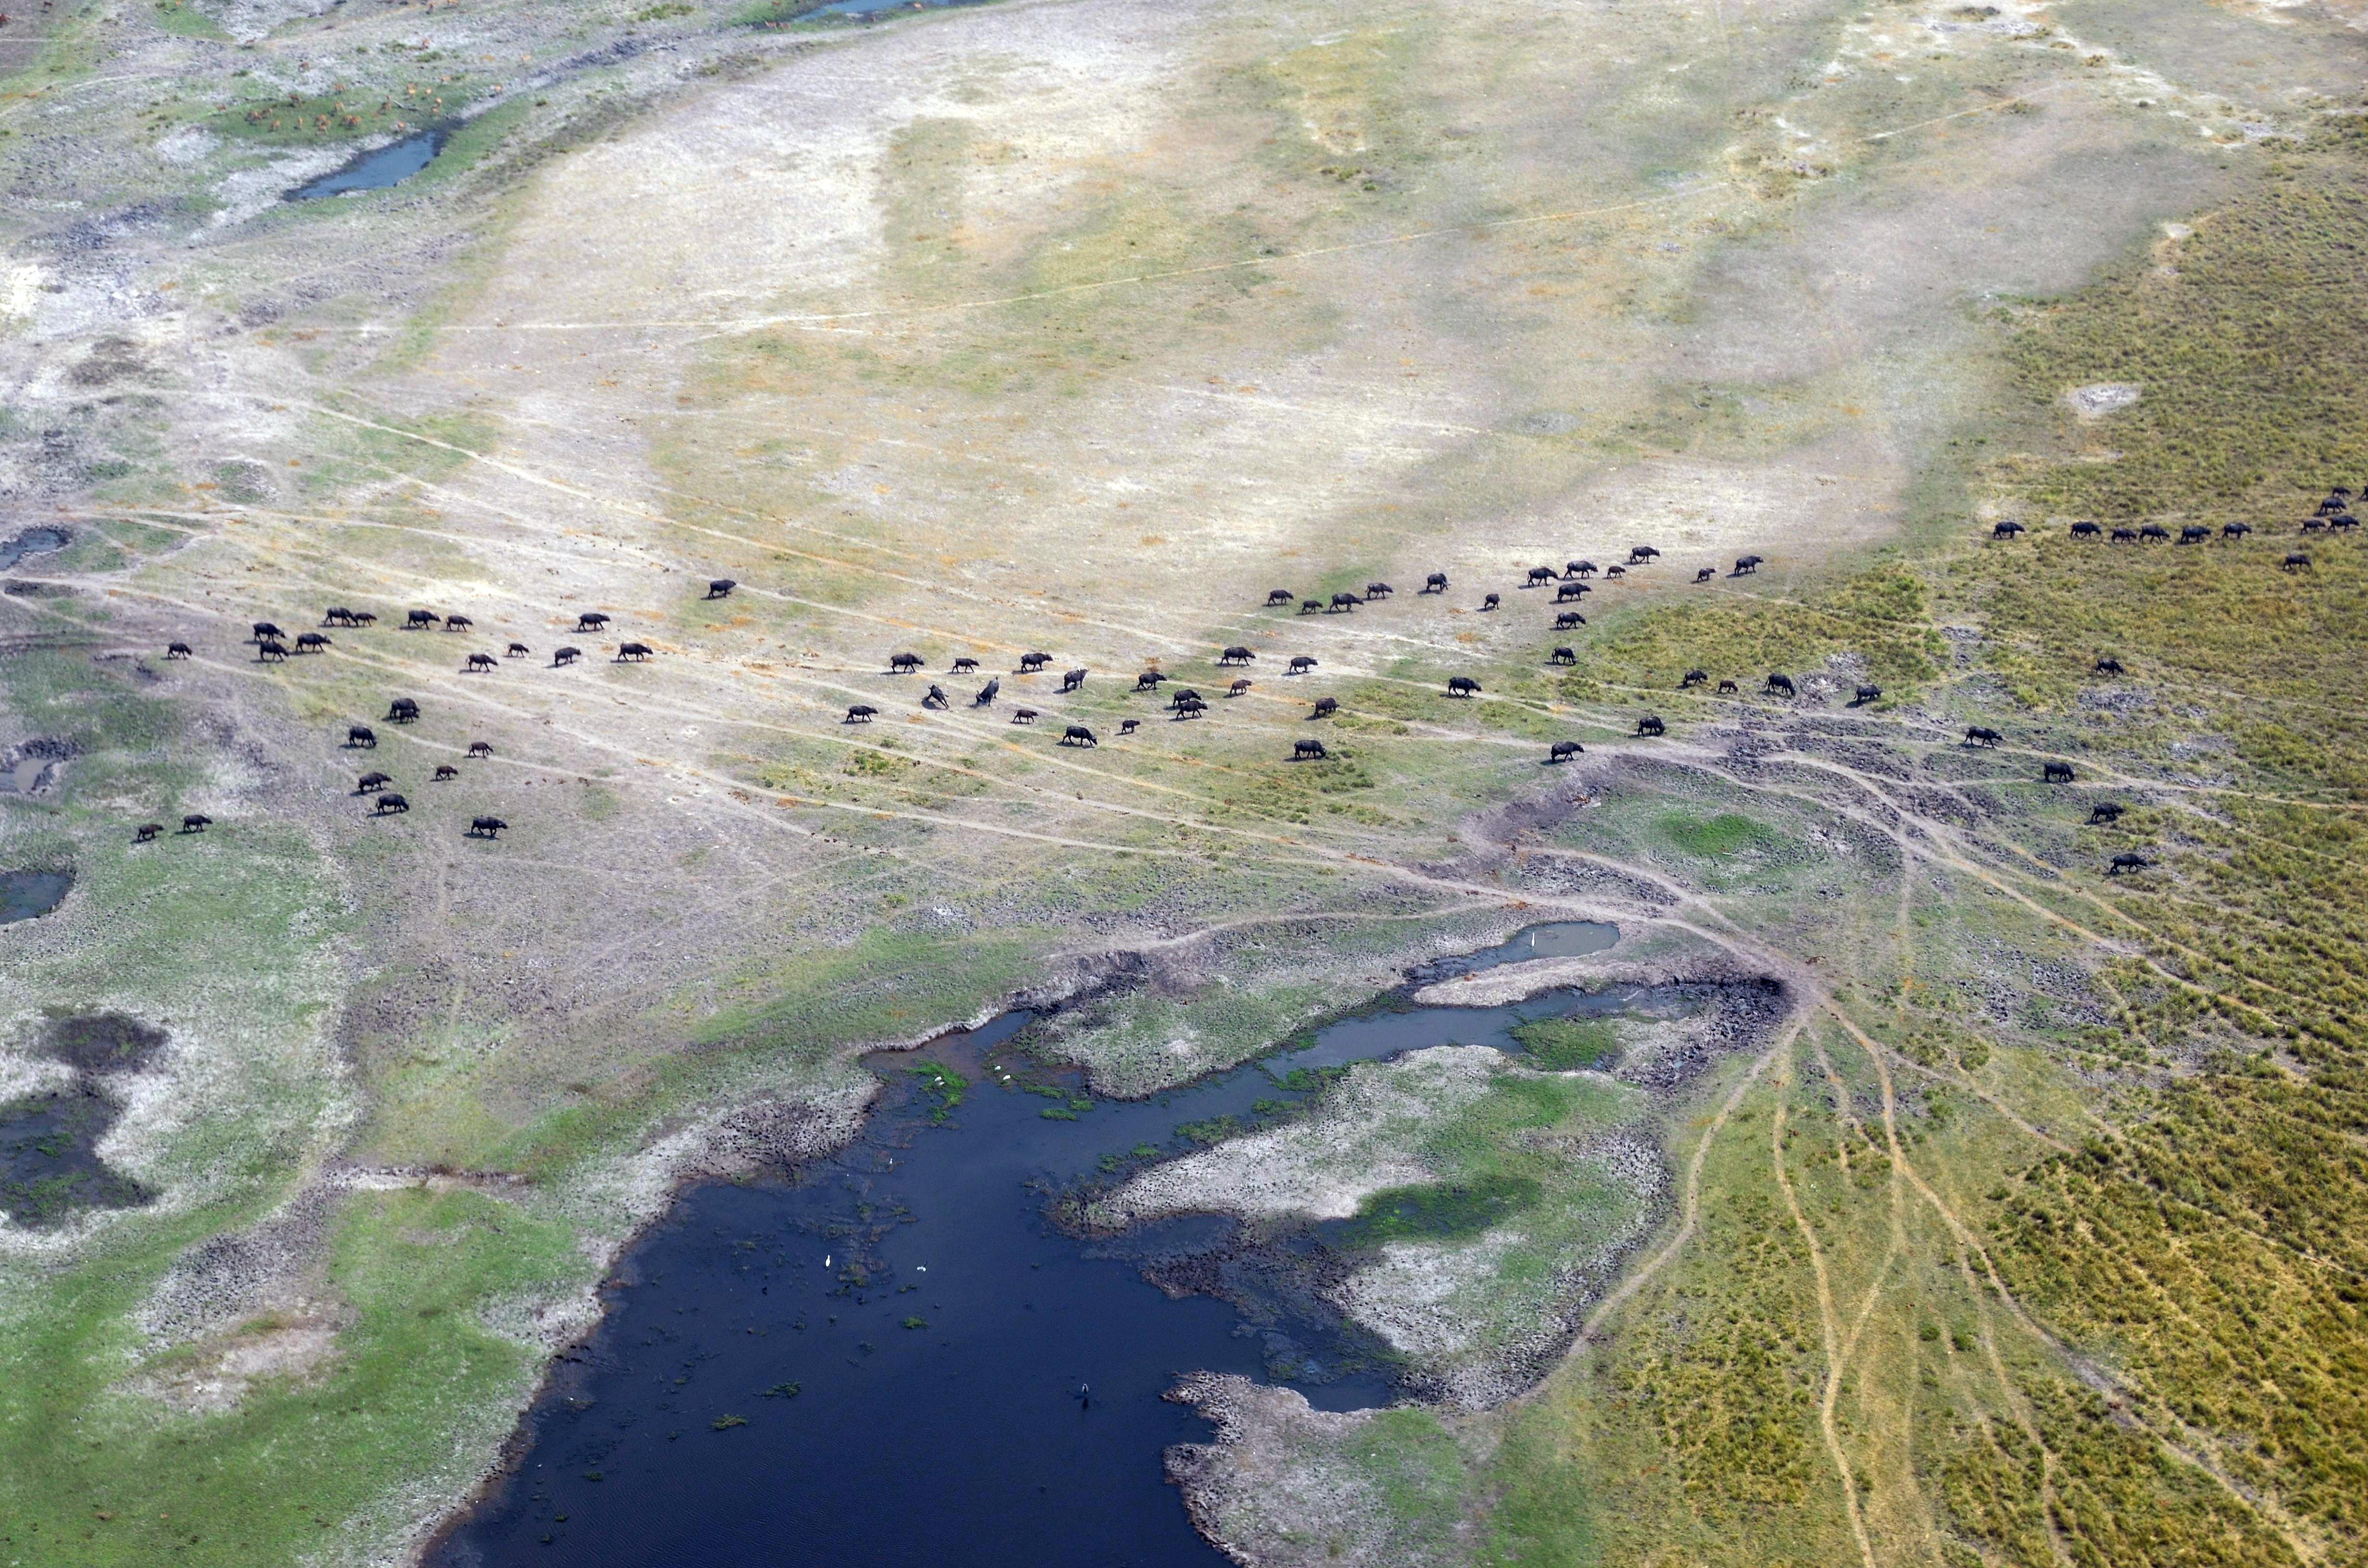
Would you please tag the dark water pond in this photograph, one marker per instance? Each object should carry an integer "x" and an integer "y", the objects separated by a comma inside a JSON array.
[
  {"x": 24, "y": 895},
  {"x": 32, "y": 541},
  {"x": 390, "y": 164},
  {"x": 879, "y": 1360},
  {"x": 50, "y": 1166}
]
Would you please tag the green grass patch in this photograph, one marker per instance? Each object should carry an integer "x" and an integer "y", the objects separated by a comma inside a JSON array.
[
  {"x": 1563, "y": 1045},
  {"x": 1712, "y": 838}
]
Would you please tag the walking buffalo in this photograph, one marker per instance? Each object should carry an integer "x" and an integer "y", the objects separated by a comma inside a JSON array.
[
  {"x": 1781, "y": 682},
  {"x": 903, "y": 663},
  {"x": 1651, "y": 724},
  {"x": 1307, "y": 750},
  {"x": 591, "y": 620},
  {"x": 1563, "y": 751},
  {"x": 720, "y": 588},
  {"x": 361, "y": 736},
  {"x": 632, "y": 652},
  {"x": 485, "y": 827},
  {"x": 1462, "y": 685},
  {"x": 2056, "y": 773},
  {"x": 1078, "y": 735},
  {"x": 1279, "y": 597},
  {"x": 1072, "y": 679},
  {"x": 861, "y": 714},
  {"x": 1435, "y": 583},
  {"x": 402, "y": 709}
]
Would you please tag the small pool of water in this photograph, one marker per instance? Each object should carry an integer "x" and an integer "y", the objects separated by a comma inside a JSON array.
[
  {"x": 24, "y": 895},
  {"x": 32, "y": 541},
  {"x": 388, "y": 165},
  {"x": 880, "y": 1359}
]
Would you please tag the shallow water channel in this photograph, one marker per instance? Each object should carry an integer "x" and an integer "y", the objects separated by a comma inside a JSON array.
[
  {"x": 390, "y": 164},
  {"x": 892, "y": 1357}
]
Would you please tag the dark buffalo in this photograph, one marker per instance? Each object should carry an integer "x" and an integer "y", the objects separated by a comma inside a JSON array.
[
  {"x": 1325, "y": 708},
  {"x": 2006, "y": 530},
  {"x": 2110, "y": 666},
  {"x": 2234, "y": 530},
  {"x": 1639, "y": 554},
  {"x": 270, "y": 650},
  {"x": 1379, "y": 590},
  {"x": 363, "y": 618},
  {"x": 516, "y": 651},
  {"x": 2155, "y": 531},
  {"x": 1023, "y": 715},
  {"x": 862, "y": 713},
  {"x": 2056, "y": 773},
  {"x": 1583, "y": 568},
  {"x": 1981, "y": 735},
  {"x": 1307, "y": 750},
  {"x": 1311, "y": 607},
  {"x": 2086, "y": 530},
  {"x": 1569, "y": 591},
  {"x": 1435, "y": 583},
  {"x": 1185, "y": 697},
  {"x": 480, "y": 749},
  {"x": 1568, "y": 619},
  {"x": 2313, "y": 524},
  {"x": 1300, "y": 664},
  {"x": 312, "y": 642},
  {"x": 1072, "y": 679},
  {"x": 362, "y": 736},
  {"x": 2297, "y": 562},
  {"x": 1236, "y": 654},
  {"x": 484, "y": 661},
  {"x": 633, "y": 653},
  {"x": 1078, "y": 735},
  {"x": 146, "y": 832},
  {"x": 720, "y": 588},
  {"x": 196, "y": 822},
  {"x": 2127, "y": 862},
  {"x": 1239, "y": 686},
  {"x": 903, "y": 663},
  {"x": 1541, "y": 575},
  {"x": 1491, "y": 602},
  {"x": 1864, "y": 694},
  {"x": 1727, "y": 688},
  {"x": 389, "y": 804},
  {"x": 446, "y": 770},
  {"x": 1783, "y": 683},
  {"x": 2343, "y": 522},
  {"x": 263, "y": 631},
  {"x": 1279, "y": 596},
  {"x": 1148, "y": 680},
  {"x": 1128, "y": 726},
  {"x": 591, "y": 620},
  {"x": 1344, "y": 601},
  {"x": 937, "y": 698},
  {"x": 2123, "y": 536},
  {"x": 421, "y": 618},
  {"x": 369, "y": 782},
  {"x": 402, "y": 709},
  {"x": 1030, "y": 663},
  {"x": 1462, "y": 686},
  {"x": 1705, "y": 575},
  {"x": 1563, "y": 656},
  {"x": 485, "y": 827},
  {"x": 2194, "y": 533},
  {"x": 1745, "y": 565},
  {"x": 1614, "y": 570},
  {"x": 1192, "y": 708},
  {"x": 1694, "y": 678},
  {"x": 1651, "y": 724},
  {"x": 987, "y": 693},
  {"x": 1563, "y": 751},
  {"x": 2105, "y": 812},
  {"x": 964, "y": 665},
  {"x": 566, "y": 656},
  {"x": 178, "y": 650},
  {"x": 458, "y": 623},
  {"x": 336, "y": 615}
]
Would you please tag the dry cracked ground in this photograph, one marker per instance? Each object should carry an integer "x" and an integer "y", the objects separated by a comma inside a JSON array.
[{"x": 1077, "y": 328}]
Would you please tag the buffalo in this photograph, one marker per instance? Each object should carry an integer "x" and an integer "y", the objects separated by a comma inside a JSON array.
[
  {"x": 516, "y": 651},
  {"x": 2154, "y": 532},
  {"x": 1462, "y": 685},
  {"x": 1569, "y": 591},
  {"x": 1582, "y": 568},
  {"x": 1639, "y": 554},
  {"x": 1694, "y": 678},
  {"x": 1705, "y": 575},
  {"x": 336, "y": 615},
  {"x": 1981, "y": 735},
  {"x": 1379, "y": 590},
  {"x": 361, "y": 736},
  {"x": 312, "y": 642},
  {"x": 1023, "y": 715},
  {"x": 445, "y": 770},
  {"x": 2006, "y": 530},
  {"x": 370, "y": 783},
  {"x": 363, "y": 618},
  {"x": 2110, "y": 666},
  {"x": 591, "y": 620},
  {"x": 177, "y": 650},
  {"x": 1727, "y": 688},
  {"x": 2127, "y": 862},
  {"x": 1300, "y": 664},
  {"x": 390, "y": 804},
  {"x": 1148, "y": 680},
  {"x": 1128, "y": 726},
  {"x": 1541, "y": 575},
  {"x": 2194, "y": 533},
  {"x": 196, "y": 822},
  {"x": 1030, "y": 663},
  {"x": 2056, "y": 773},
  {"x": 566, "y": 656},
  {"x": 271, "y": 651},
  {"x": 1311, "y": 607},
  {"x": 146, "y": 833},
  {"x": 458, "y": 623},
  {"x": 1864, "y": 694},
  {"x": 1745, "y": 565},
  {"x": 1279, "y": 597},
  {"x": 1072, "y": 679},
  {"x": 1435, "y": 583},
  {"x": 937, "y": 697},
  {"x": 2343, "y": 522},
  {"x": 1563, "y": 656},
  {"x": 2086, "y": 530},
  {"x": 965, "y": 664},
  {"x": 903, "y": 663},
  {"x": 2125, "y": 536},
  {"x": 485, "y": 827},
  {"x": 861, "y": 714},
  {"x": 1491, "y": 602},
  {"x": 1185, "y": 697},
  {"x": 632, "y": 652},
  {"x": 402, "y": 709},
  {"x": 1568, "y": 619},
  {"x": 720, "y": 588},
  {"x": 1236, "y": 654},
  {"x": 263, "y": 631},
  {"x": 1614, "y": 570},
  {"x": 1307, "y": 750},
  {"x": 1344, "y": 601},
  {"x": 2297, "y": 562},
  {"x": 1563, "y": 751},
  {"x": 1325, "y": 708},
  {"x": 1078, "y": 735},
  {"x": 987, "y": 693},
  {"x": 484, "y": 661},
  {"x": 1239, "y": 686},
  {"x": 1651, "y": 724},
  {"x": 481, "y": 749},
  {"x": 1781, "y": 682},
  {"x": 2105, "y": 812},
  {"x": 421, "y": 618}
]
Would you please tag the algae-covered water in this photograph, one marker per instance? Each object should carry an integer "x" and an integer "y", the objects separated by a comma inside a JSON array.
[{"x": 895, "y": 1358}]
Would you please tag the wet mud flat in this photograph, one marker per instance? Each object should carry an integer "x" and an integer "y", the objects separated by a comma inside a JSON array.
[
  {"x": 50, "y": 1166},
  {"x": 899, "y": 1355}
]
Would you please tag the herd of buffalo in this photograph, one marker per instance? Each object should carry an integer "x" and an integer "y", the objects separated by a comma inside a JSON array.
[{"x": 1571, "y": 584}]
